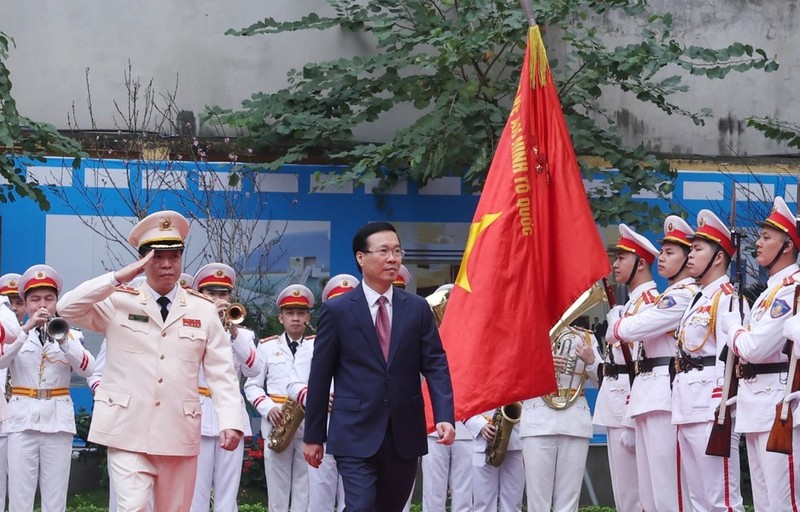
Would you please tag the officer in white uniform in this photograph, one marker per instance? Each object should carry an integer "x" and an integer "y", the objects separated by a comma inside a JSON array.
[
  {"x": 555, "y": 438},
  {"x": 9, "y": 284},
  {"x": 447, "y": 467},
  {"x": 43, "y": 423},
  {"x": 286, "y": 472},
  {"x": 763, "y": 365},
  {"x": 650, "y": 403},
  {"x": 634, "y": 257},
  {"x": 713, "y": 482},
  {"x": 324, "y": 485},
  {"x": 495, "y": 488},
  {"x": 217, "y": 469}
]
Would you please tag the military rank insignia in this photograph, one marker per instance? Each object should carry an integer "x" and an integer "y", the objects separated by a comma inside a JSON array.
[
  {"x": 779, "y": 308},
  {"x": 191, "y": 322}
]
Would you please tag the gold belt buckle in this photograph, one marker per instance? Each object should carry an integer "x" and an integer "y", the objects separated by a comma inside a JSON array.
[{"x": 44, "y": 394}]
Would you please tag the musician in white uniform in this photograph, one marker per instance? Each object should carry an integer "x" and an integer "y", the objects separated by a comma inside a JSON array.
[
  {"x": 763, "y": 365},
  {"x": 650, "y": 404},
  {"x": 324, "y": 485},
  {"x": 43, "y": 423},
  {"x": 9, "y": 295},
  {"x": 217, "y": 469},
  {"x": 635, "y": 256},
  {"x": 286, "y": 472},
  {"x": 713, "y": 482}
]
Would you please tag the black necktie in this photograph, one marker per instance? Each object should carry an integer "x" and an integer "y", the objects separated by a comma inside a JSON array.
[
  {"x": 696, "y": 298},
  {"x": 293, "y": 346},
  {"x": 163, "y": 302}
]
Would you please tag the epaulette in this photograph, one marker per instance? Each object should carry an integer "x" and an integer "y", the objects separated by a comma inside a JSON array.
[
  {"x": 127, "y": 289},
  {"x": 198, "y": 294},
  {"x": 268, "y": 338},
  {"x": 649, "y": 297},
  {"x": 728, "y": 288}
]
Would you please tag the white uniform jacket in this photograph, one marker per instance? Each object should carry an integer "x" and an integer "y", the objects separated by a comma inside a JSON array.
[
  {"x": 35, "y": 367},
  {"x": 474, "y": 425},
  {"x": 655, "y": 327},
  {"x": 695, "y": 393},
  {"x": 762, "y": 341},
  {"x": 245, "y": 362},
  {"x": 148, "y": 400},
  {"x": 612, "y": 400},
  {"x": 270, "y": 387}
]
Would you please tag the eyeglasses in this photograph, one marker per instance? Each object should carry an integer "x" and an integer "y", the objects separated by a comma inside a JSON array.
[{"x": 384, "y": 253}]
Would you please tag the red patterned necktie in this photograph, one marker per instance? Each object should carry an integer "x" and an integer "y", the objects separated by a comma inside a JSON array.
[{"x": 382, "y": 326}]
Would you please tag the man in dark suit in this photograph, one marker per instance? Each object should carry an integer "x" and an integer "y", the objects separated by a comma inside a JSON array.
[{"x": 375, "y": 342}]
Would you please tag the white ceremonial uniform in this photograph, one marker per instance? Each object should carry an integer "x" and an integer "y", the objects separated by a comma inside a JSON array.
[
  {"x": 93, "y": 381},
  {"x": 611, "y": 410},
  {"x": 761, "y": 342},
  {"x": 43, "y": 423},
  {"x": 448, "y": 467},
  {"x": 4, "y": 413},
  {"x": 218, "y": 469},
  {"x": 324, "y": 485},
  {"x": 495, "y": 488},
  {"x": 286, "y": 472},
  {"x": 657, "y": 455},
  {"x": 555, "y": 442},
  {"x": 713, "y": 482}
]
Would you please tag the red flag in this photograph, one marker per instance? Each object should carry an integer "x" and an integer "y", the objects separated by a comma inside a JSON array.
[{"x": 533, "y": 248}]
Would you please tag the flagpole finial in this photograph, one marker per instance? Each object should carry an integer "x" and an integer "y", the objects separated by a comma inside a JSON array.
[{"x": 526, "y": 6}]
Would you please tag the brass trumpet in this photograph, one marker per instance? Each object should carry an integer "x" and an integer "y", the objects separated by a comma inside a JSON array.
[
  {"x": 234, "y": 315},
  {"x": 56, "y": 329}
]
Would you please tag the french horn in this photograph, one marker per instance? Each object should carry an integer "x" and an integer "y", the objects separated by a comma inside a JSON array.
[{"x": 564, "y": 339}]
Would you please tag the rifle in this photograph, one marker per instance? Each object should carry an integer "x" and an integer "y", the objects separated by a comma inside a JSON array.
[
  {"x": 626, "y": 349},
  {"x": 780, "y": 436},
  {"x": 719, "y": 441}
]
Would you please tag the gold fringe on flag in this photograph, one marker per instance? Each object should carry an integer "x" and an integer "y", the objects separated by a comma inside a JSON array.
[{"x": 539, "y": 64}]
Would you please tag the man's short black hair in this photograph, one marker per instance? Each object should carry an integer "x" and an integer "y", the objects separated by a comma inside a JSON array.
[
  {"x": 361, "y": 236},
  {"x": 143, "y": 250}
]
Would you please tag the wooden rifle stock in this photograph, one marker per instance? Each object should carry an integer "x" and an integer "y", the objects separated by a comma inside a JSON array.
[
  {"x": 719, "y": 442},
  {"x": 626, "y": 349},
  {"x": 780, "y": 436}
]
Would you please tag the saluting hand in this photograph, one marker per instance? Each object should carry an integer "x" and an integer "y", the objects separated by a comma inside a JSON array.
[{"x": 132, "y": 270}]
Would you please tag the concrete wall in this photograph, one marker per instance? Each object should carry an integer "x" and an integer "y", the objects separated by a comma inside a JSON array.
[{"x": 57, "y": 41}]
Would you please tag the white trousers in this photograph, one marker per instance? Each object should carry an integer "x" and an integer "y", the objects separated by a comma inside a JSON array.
[
  {"x": 3, "y": 470},
  {"x": 713, "y": 482},
  {"x": 554, "y": 467},
  {"x": 657, "y": 462},
  {"x": 500, "y": 488},
  {"x": 325, "y": 487},
  {"x": 443, "y": 468},
  {"x": 771, "y": 474},
  {"x": 624, "y": 475},
  {"x": 43, "y": 459},
  {"x": 287, "y": 478},
  {"x": 218, "y": 470}
]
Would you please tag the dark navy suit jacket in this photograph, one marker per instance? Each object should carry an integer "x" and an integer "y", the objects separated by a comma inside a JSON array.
[{"x": 369, "y": 391}]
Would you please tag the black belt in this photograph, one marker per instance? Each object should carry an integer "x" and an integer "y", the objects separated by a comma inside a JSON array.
[
  {"x": 684, "y": 363},
  {"x": 646, "y": 365},
  {"x": 750, "y": 370},
  {"x": 613, "y": 370}
]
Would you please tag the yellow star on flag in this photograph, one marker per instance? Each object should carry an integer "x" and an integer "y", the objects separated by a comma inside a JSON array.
[{"x": 474, "y": 232}]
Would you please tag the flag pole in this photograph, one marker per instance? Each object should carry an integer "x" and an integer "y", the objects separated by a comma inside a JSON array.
[{"x": 526, "y": 6}]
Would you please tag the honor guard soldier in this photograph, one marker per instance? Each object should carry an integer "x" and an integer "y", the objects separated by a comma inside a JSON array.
[
  {"x": 713, "y": 482},
  {"x": 41, "y": 361},
  {"x": 635, "y": 255},
  {"x": 650, "y": 404},
  {"x": 9, "y": 284},
  {"x": 218, "y": 469},
  {"x": 403, "y": 278},
  {"x": 324, "y": 485},
  {"x": 147, "y": 406},
  {"x": 763, "y": 366},
  {"x": 286, "y": 471},
  {"x": 9, "y": 288},
  {"x": 556, "y": 429}
]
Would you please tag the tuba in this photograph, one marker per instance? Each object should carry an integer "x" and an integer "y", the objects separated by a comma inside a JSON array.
[
  {"x": 438, "y": 302},
  {"x": 564, "y": 339},
  {"x": 281, "y": 435},
  {"x": 503, "y": 419}
]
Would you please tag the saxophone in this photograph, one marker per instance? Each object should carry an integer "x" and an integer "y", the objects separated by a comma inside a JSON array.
[
  {"x": 504, "y": 419},
  {"x": 282, "y": 434}
]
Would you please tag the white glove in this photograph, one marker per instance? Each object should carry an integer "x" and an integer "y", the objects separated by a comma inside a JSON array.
[
  {"x": 628, "y": 439},
  {"x": 791, "y": 330},
  {"x": 793, "y": 397},
  {"x": 612, "y": 318},
  {"x": 729, "y": 321},
  {"x": 731, "y": 401}
]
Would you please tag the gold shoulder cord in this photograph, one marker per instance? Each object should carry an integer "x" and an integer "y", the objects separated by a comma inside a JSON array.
[{"x": 711, "y": 327}]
